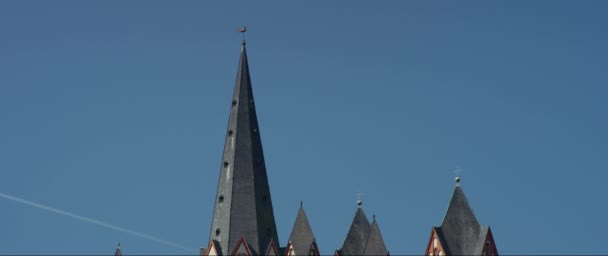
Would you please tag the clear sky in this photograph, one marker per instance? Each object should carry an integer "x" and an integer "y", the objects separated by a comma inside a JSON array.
[{"x": 117, "y": 110}]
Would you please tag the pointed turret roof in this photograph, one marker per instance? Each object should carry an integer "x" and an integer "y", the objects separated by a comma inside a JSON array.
[
  {"x": 118, "y": 252},
  {"x": 375, "y": 243},
  {"x": 460, "y": 229},
  {"x": 243, "y": 206},
  {"x": 302, "y": 238},
  {"x": 355, "y": 241}
]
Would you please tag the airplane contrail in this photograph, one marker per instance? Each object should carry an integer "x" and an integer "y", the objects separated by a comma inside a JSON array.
[{"x": 93, "y": 221}]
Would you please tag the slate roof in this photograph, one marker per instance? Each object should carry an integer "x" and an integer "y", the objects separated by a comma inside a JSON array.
[
  {"x": 302, "y": 238},
  {"x": 460, "y": 230},
  {"x": 357, "y": 235},
  {"x": 375, "y": 243},
  {"x": 243, "y": 206},
  {"x": 363, "y": 238}
]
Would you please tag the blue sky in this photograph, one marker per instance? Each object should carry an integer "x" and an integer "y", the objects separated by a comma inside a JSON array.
[{"x": 117, "y": 111}]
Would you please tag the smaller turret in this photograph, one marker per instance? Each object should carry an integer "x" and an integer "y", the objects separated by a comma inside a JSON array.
[
  {"x": 118, "y": 252},
  {"x": 302, "y": 240},
  {"x": 363, "y": 238}
]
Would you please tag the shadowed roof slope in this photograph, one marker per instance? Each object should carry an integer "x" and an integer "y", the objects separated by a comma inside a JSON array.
[{"x": 375, "y": 244}]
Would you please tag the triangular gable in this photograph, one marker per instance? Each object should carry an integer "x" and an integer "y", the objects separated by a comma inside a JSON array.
[
  {"x": 272, "y": 249},
  {"x": 436, "y": 245},
  {"x": 489, "y": 247},
  {"x": 314, "y": 250},
  {"x": 212, "y": 249},
  {"x": 289, "y": 251},
  {"x": 242, "y": 248}
]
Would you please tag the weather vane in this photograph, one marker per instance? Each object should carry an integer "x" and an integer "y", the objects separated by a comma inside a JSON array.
[{"x": 243, "y": 30}]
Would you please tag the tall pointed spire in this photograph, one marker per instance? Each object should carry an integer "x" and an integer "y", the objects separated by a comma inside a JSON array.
[{"x": 243, "y": 206}]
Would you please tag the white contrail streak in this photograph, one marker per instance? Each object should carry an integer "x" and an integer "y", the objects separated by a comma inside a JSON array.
[{"x": 93, "y": 221}]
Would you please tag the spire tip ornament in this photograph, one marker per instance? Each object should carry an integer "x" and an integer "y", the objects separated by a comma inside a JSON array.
[
  {"x": 457, "y": 172},
  {"x": 359, "y": 202},
  {"x": 242, "y": 31}
]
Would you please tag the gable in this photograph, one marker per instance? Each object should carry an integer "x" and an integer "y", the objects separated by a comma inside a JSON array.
[
  {"x": 489, "y": 247},
  {"x": 272, "y": 249},
  {"x": 435, "y": 246},
  {"x": 212, "y": 249},
  {"x": 242, "y": 248},
  {"x": 289, "y": 251}
]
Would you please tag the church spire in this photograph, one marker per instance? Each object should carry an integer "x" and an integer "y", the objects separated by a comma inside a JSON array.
[
  {"x": 243, "y": 206},
  {"x": 460, "y": 229},
  {"x": 460, "y": 232},
  {"x": 363, "y": 238}
]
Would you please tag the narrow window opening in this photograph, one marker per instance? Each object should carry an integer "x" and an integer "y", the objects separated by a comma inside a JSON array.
[
  {"x": 217, "y": 231},
  {"x": 233, "y": 103},
  {"x": 226, "y": 164},
  {"x": 221, "y": 198},
  {"x": 230, "y": 132}
]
